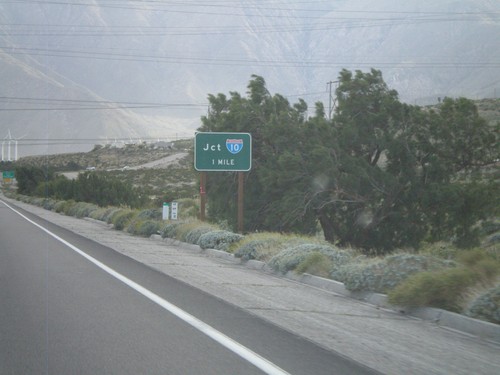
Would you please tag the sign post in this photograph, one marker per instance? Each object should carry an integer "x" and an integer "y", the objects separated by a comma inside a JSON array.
[
  {"x": 217, "y": 152},
  {"x": 165, "y": 211},
  {"x": 173, "y": 214}
]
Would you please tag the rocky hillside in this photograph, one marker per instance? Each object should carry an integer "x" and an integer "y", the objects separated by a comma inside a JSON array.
[{"x": 74, "y": 73}]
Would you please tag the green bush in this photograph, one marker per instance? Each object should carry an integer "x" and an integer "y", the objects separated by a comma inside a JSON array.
[
  {"x": 317, "y": 264},
  {"x": 190, "y": 231},
  {"x": 485, "y": 265},
  {"x": 170, "y": 230},
  {"x": 122, "y": 218},
  {"x": 193, "y": 236},
  {"x": 290, "y": 258},
  {"x": 67, "y": 206},
  {"x": 49, "y": 204},
  {"x": 381, "y": 275},
  {"x": 143, "y": 228},
  {"x": 102, "y": 213},
  {"x": 219, "y": 239},
  {"x": 151, "y": 213},
  {"x": 487, "y": 306},
  {"x": 108, "y": 216},
  {"x": 442, "y": 289},
  {"x": 81, "y": 209},
  {"x": 263, "y": 246},
  {"x": 184, "y": 229},
  {"x": 440, "y": 249},
  {"x": 188, "y": 208},
  {"x": 59, "y": 206}
]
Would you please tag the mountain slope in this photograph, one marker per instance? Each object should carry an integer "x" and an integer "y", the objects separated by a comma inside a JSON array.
[{"x": 173, "y": 54}]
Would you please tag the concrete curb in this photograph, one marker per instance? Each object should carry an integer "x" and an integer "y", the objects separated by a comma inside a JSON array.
[
  {"x": 446, "y": 319},
  {"x": 479, "y": 328}
]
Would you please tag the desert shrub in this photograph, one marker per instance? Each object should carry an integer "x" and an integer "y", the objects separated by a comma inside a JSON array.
[
  {"x": 170, "y": 229},
  {"x": 191, "y": 231},
  {"x": 188, "y": 208},
  {"x": 143, "y": 228},
  {"x": 193, "y": 236},
  {"x": 381, "y": 275},
  {"x": 108, "y": 216},
  {"x": 443, "y": 289},
  {"x": 490, "y": 227},
  {"x": 67, "y": 206},
  {"x": 150, "y": 214},
  {"x": 122, "y": 218},
  {"x": 81, "y": 209},
  {"x": 290, "y": 258},
  {"x": 487, "y": 306},
  {"x": 36, "y": 201},
  {"x": 443, "y": 250},
  {"x": 49, "y": 204},
  {"x": 218, "y": 239},
  {"x": 263, "y": 246},
  {"x": 59, "y": 207},
  {"x": 317, "y": 264},
  {"x": 98, "y": 214},
  {"x": 102, "y": 213},
  {"x": 485, "y": 265}
]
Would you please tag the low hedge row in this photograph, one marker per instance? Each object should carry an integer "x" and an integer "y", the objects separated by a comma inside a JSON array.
[{"x": 439, "y": 276}]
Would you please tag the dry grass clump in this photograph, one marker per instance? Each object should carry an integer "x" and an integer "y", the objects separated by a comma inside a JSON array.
[
  {"x": 218, "y": 239},
  {"x": 448, "y": 289},
  {"x": 289, "y": 258},
  {"x": 121, "y": 218},
  {"x": 383, "y": 274},
  {"x": 486, "y": 306},
  {"x": 190, "y": 231},
  {"x": 317, "y": 264},
  {"x": 263, "y": 246}
]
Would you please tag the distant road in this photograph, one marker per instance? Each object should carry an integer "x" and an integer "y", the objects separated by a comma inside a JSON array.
[
  {"x": 163, "y": 162},
  {"x": 72, "y": 306},
  {"x": 157, "y": 164}
]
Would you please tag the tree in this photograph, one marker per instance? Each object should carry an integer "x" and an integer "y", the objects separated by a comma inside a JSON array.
[
  {"x": 381, "y": 174},
  {"x": 29, "y": 177},
  {"x": 274, "y": 125}
]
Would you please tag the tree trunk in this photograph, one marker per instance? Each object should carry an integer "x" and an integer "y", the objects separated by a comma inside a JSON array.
[{"x": 327, "y": 226}]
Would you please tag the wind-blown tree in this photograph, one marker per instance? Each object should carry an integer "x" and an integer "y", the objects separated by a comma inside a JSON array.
[
  {"x": 380, "y": 175},
  {"x": 275, "y": 128},
  {"x": 358, "y": 195},
  {"x": 399, "y": 171}
]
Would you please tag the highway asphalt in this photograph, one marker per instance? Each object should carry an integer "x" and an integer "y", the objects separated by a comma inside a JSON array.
[{"x": 340, "y": 331}]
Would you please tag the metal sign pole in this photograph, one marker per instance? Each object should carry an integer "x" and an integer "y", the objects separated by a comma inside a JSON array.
[
  {"x": 240, "y": 201},
  {"x": 203, "y": 194}
]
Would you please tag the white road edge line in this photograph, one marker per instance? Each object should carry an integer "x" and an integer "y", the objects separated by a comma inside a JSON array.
[{"x": 237, "y": 348}]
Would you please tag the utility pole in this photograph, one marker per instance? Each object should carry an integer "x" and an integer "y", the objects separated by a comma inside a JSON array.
[{"x": 330, "y": 98}]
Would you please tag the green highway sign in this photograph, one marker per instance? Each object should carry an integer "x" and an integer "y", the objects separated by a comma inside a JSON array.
[
  {"x": 223, "y": 152},
  {"x": 8, "y": 174}
]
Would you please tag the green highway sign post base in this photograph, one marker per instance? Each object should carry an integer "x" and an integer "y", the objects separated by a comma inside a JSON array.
[{"x": 218, "y": 152}]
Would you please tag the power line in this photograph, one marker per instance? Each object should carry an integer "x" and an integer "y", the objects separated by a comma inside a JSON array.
[
  {"x": 86, "y": 104},
  {"x": 237, "y": 62},
  {"x": 231, "y": 5},
  {"x": 148, "y": 31}
]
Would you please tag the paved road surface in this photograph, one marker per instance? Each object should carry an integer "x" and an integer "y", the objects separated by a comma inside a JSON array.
[
  {"x": 383, "y": 340},
  {"x": 62, "y": 313}
]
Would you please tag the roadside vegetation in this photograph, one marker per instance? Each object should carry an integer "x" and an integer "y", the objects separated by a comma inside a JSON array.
[
  {"x": 383, "y": 197},
  {"x": 438, "y": 275}
]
